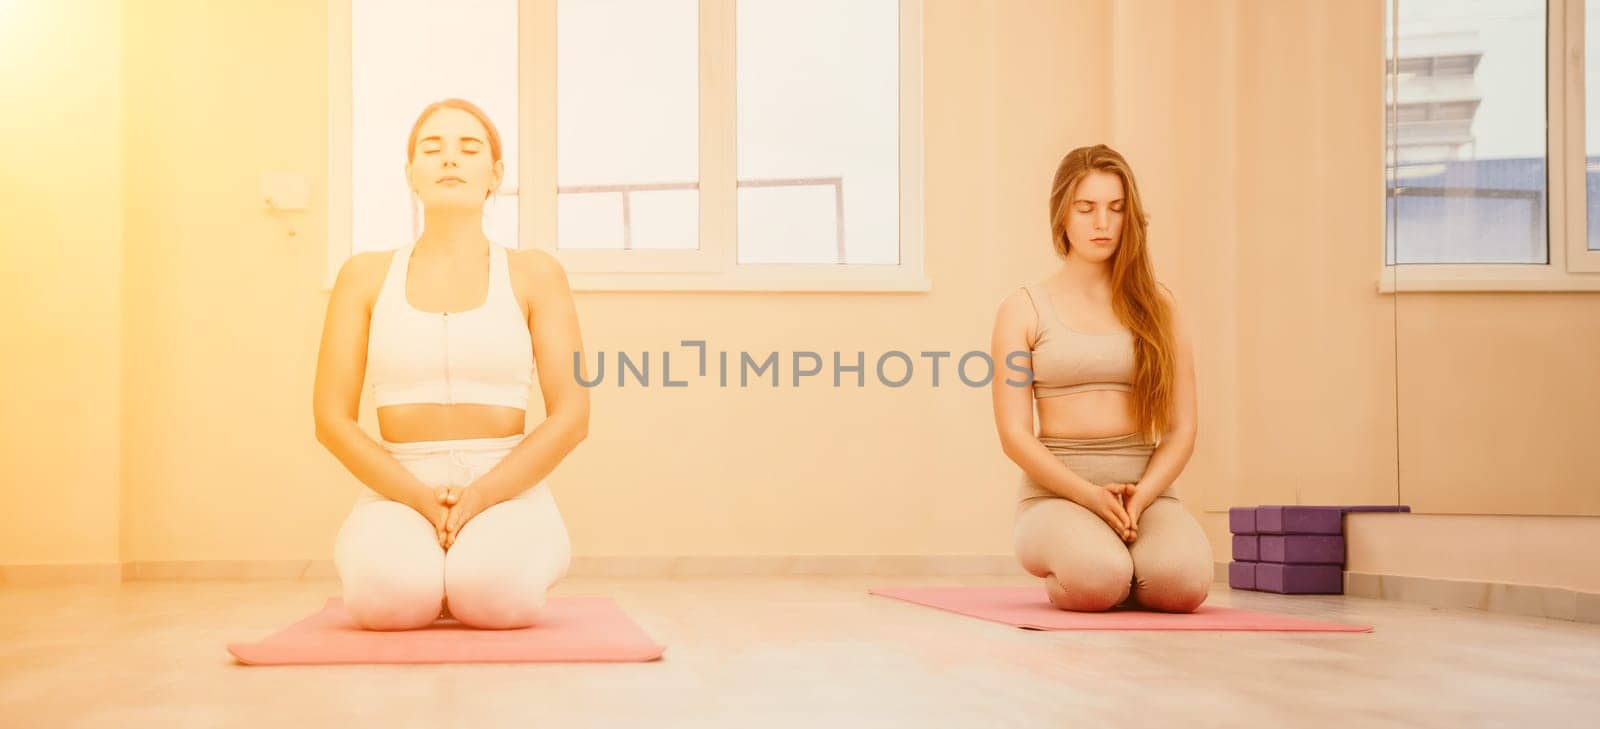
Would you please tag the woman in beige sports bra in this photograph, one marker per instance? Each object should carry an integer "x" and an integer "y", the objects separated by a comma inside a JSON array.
[
  {"x": 1113, "y": 382},
  {"x": 450, "y": 331}
]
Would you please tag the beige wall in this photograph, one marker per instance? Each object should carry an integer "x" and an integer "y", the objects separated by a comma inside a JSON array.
[
  {"x": 1242, "y": 118},
  {"x": 62, "y": 199},
  {"x": 1500, "y": 403},
  {"x": 1315, "y": 383},
  {"x": 221, "y": 457},
  {"x": 224, "y": 307},
  {"x": 1252, "y": 125},
  {"x": 1549, "y": 551}
]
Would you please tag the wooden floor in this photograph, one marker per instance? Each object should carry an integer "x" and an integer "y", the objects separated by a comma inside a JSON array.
[{"x": 794, "y": 651}]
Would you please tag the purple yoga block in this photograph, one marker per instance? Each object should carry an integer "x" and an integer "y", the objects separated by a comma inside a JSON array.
[
  {"x": 1300, "y": 579},
  {"x": 1299, "y": 520},
  {"x": 1301, "y": 548},
  {"x": 1242, "y": 520},
  {"x": 1242, "y": 575},
  {"x": 1246, "y": 547}
]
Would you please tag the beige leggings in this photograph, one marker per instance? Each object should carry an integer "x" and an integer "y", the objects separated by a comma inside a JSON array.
[
  {"x": 395, "y": 576},
  {"x": 1085, "y": 565}
]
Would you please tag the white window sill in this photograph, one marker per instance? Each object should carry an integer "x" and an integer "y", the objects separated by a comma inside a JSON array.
[
  {"x": 1482, "y": 278},
  {"x": 846, "y": 280}
]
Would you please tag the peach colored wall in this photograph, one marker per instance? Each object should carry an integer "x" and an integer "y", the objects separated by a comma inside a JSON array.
[
  {"x": 1550, "y": 551},
  {"x": 1243, "y": 116},
  {"x": 1316, "y": 398},
  {"x": 221, "y": 454},
  {"x": 1500, "y": 403},
  {"x": 1253, "y": 126},
  {"x": 61, "y": 197},
  {"x": 225, "y": 308}
]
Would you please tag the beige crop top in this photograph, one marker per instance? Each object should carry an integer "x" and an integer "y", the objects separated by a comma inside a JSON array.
[{"x": 1067, "y": 361}]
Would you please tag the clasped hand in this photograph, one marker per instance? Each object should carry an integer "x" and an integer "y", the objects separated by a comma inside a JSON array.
[
  {"x": 451, "y": 508},
  {"x": 1120, "y": 505}
]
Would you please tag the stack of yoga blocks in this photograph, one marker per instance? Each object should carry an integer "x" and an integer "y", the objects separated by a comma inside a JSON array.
[{"x": 1291, "y": 550}]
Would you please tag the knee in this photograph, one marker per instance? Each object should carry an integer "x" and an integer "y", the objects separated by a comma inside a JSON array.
[
  {"x": 483, "y": 600},
  {"x": 1174, "y": 591},
  {"x": 1091, "y": 588},
  {"x": 391, "y": 572},
  {"x": 393, "y": 601}
]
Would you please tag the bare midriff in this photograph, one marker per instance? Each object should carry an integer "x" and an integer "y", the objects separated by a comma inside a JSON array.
[
  {"x": 1093, "y": 414},
  {"x": 436, "y": 421}
]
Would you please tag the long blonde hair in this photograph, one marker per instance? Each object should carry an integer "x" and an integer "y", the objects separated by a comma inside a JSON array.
[{"x": 1134, "y": 297}]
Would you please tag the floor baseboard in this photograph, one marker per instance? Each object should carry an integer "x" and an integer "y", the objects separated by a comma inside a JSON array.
[
  {"x": 1535, "y": 601},
  {"x": 24, "y": 575},
  {"x": 583, "y": 566},
  {"x": 1526, "y": 600}
]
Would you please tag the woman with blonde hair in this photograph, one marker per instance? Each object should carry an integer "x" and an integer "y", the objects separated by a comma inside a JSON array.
[
  {"x": 456, "y": 518},
  {"x": 1112, "y": 378}
]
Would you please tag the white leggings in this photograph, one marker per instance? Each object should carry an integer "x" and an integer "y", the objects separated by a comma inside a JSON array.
[{"x": 395, "y": 576}]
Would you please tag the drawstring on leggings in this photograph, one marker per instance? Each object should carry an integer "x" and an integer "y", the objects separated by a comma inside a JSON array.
[{"x": 458, "y": 459}]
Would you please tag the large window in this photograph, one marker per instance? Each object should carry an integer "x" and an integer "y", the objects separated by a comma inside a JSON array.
[
  {"x": 1488, "y": 185},
  {"x": 628, "y": 124},
  {"x": 659, "y": 144},
  {"x": 1591, "y": 131},
  {"x": 818, "y": 128}
]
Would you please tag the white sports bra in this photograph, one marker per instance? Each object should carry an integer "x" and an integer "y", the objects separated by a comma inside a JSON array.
[{"x": 482, "y": 356}]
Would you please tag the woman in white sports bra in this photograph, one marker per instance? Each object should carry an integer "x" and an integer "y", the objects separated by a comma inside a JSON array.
[
  {"x": 456, "y": 518},
  {"x": 1113, "y": 383}
]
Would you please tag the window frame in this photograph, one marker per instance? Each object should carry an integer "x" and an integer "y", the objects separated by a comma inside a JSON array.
[
  {"x": 1571, "y": 266},
  {"x": 714, "y": 266}
]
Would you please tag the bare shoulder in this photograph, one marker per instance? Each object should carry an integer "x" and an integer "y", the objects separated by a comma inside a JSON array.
[
  {"x": 536, "y": 267},
  {"x": 362, "y": 275},
  {"x": 1016, "y": 306},
  {"x": 1016, "y": 315},
  {"x": 361, "y": 266},
  {"x": 539, "y": 280}
]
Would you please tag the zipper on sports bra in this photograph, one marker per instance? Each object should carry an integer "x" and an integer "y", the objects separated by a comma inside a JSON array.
[{"x": 449, "y": 393}]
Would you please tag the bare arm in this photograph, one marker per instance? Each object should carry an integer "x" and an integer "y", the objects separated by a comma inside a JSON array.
[
  {"x": 1177, "y": 444},
  {"x": 553, "y": 325},
  {"x": 336, "y": 396},
  {"x": 1013, "y": 404}
]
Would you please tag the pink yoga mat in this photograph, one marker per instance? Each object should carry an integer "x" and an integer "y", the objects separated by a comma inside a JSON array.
[
  {"x": 1029, "y": 607},
  {"x": 574, "y": 629}
]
